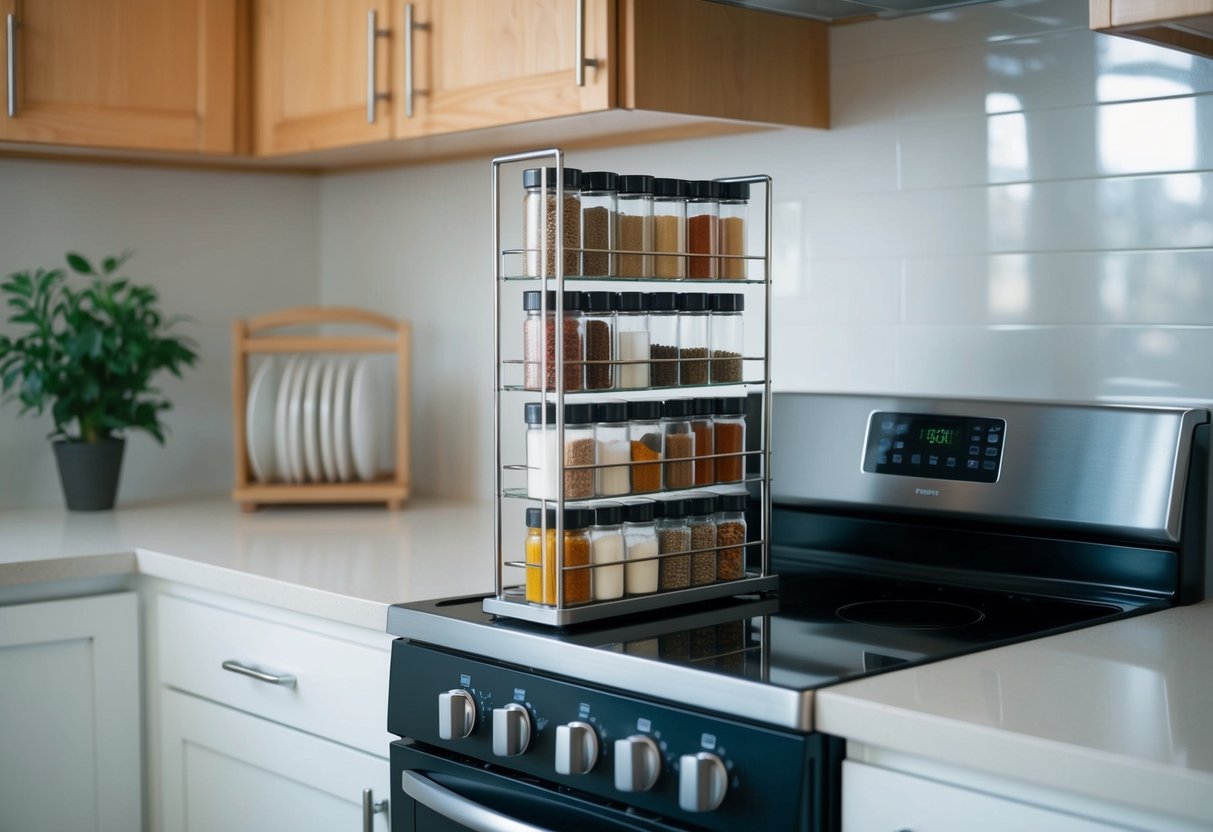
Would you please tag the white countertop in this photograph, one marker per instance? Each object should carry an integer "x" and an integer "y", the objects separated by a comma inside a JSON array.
[
  {"x": 346, "y": 564},
  {"x": 1119, "y": 712}
]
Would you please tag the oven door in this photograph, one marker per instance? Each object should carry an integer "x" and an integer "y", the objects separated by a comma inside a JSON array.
[{"x": 433, "y": 791}]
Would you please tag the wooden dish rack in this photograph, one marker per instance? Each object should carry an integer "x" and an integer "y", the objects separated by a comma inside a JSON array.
[{"x": 249, "y": 338}]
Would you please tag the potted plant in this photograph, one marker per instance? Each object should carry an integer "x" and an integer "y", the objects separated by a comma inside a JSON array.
[{"x": 89, "y": 353}]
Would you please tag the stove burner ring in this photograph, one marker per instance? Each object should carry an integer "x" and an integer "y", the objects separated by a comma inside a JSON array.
[{"x": 910, "y": 614}]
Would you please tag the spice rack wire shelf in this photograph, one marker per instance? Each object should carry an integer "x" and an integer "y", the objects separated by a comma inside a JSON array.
[
  {"x": 510, "y": 601},
  {"x": 251, "y": 337}
]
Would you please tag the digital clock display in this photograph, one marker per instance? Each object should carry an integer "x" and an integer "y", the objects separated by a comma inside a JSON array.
[{"x": 941, "y": 447}]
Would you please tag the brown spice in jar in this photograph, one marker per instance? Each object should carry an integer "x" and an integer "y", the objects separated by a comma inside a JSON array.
[
  {"x": 664, "y": 373},
  {"x": 631, "y": 238},
  {"x": 668, "y": 241},
  {"x": 730, "y": 565},
  {"x": 679, "y": 474},
  {"x": 596, "y": 234},
  {"x": 532, "y": 361},
  {"x": 699, "y": 241},
  {"x": 675, "y": 572},
  {"x": 579, "y": 482},
  {"x": 598, "y": 348},
  {"x": 726, "y": 367},
  {"x": 729, "y": 439},
  {"x": 732, "y": 241},
  {"x": 703, "y": 564},
  {"x": 705, "y": 466},
  {"x": 693, "y": 363},
  {"x": 646, "y": 477},
  {"x": 576, "y": 581}
]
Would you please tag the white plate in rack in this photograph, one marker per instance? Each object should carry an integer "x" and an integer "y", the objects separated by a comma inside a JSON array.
[
  {"x": 281, "y": 411},
  {"x": 259, "y": 420},
  {"x": 341, "y": 422},
  {"x": 328, "y": 453},
  {"x": 294, "y": 421},
  {"x": 311, "y": 416},
  {"x": 366, "y": 418}
]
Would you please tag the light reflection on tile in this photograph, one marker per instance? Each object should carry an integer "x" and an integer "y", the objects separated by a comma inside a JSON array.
[
  {"x": 845, "y": 291},
  {"x": 839, "y": 358}
]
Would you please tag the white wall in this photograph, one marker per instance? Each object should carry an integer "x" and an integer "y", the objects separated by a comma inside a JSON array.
[
  {"x": 217, "y": 246},
  {"x": 1007, "y": 205}
]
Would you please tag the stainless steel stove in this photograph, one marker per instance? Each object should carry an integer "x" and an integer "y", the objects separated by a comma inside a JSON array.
[{"x": 903, "y": 530}]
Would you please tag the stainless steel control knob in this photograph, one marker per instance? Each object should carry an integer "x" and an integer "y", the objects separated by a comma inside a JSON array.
[
  {"x": 702, "y": 782},
  {"x": 637, "y": 764},
  {"x": 511, "y": 730},
  {"x": 456, "y": 714},
  {"x": 576, "y": 748}
]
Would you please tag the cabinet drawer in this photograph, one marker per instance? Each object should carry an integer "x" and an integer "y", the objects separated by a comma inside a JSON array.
[{"x": 341, "y": 686}]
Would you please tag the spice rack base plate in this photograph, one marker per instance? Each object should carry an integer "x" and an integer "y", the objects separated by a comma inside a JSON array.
[{"x": 597, "y": 611}]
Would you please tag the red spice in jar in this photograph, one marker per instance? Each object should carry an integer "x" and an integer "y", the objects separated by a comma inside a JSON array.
[
  {"x": 532, "y": 359},
  {"x": 701, "y": 231}
]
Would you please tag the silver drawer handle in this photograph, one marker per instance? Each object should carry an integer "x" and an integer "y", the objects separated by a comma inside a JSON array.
[
  {"x": 10, "y": 33},
  {"x": 580, "y": 61},
  {"x": 373, "y": 33},
  {"x": 458, "y": 808},
  {"x": 369, "y": 809},
  {"x": 287, "y": 680}
]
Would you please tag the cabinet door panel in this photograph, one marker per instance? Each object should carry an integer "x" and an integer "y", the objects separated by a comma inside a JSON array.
[
  {"x": 311, "y": 74},
  {"x": 483, "y": 63},
  {"x": 125, "y": 73}
]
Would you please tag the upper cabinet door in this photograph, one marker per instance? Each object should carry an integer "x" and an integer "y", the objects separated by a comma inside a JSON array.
[
  {"x": 315, "y": 61},
  {"x": 484, "y": 63},
  {"x": 143, "y": 74}
]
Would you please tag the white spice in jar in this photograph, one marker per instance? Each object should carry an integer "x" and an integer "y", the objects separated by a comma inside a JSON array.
[
  {"x": 607, "y": 548},
  {"x": 615, "y": 480},
  {"x": 634, "y": 346},
  {"x": 641, "y": 572}
]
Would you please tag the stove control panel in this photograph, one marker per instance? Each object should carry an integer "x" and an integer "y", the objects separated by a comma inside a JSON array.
[
  {"x": 939, "y": 447},
  {"x": 700, "y": 769}
]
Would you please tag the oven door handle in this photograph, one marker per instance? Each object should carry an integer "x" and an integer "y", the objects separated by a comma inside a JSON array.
[{"x": 459, "y": 809}]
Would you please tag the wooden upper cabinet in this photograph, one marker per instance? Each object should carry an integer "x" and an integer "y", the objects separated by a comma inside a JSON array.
[
  {"x": 141, "y": 74},
  {"x": 1186, "y": 25},
  {"x": 312, "y": 63}
]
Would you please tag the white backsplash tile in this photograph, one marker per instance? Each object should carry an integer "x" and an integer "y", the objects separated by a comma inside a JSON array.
[{"x": 839, "y": 358}]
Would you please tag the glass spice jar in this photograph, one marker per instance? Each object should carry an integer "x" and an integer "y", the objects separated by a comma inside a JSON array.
[
  {"x": 729, "y": 426},
  {"x": 702, "y": 411},
  {"x": 640, "y": 543},
  {"x": 669, "y": 228},
  {"x": 701, "y": 520},
  {"x": 693, "y": 338},
  {"x": 726, "y": 337},
  {"x": 541, "y": 206},
  {"x": 673, "y": 538},
  {"x": 734, "y": 202},
  {"x": 607, "y": 552},
  {"x": 579, "y": 449},
  {"x": 599, "y": 324},
  {"x": 679, "y": 452},
  {"x": 541, "y": 556},
  {"x": 599, "y": 224},
  {"x": 613, "y": 446},
  {"x": 731, "y": 535},
  {"x": 663, "y": 337},
  {"x": 539, "y": 341},
  {"x": 632, "y": 341},
  {"x": 703, "y": 217},
  {"x": 635, "y": 204},
  {"x": 542, "y": 477},
  {"x": 644, "y": 428}
]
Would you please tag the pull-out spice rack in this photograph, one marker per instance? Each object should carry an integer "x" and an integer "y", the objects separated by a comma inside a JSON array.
[{"x": 556, "y": 573}]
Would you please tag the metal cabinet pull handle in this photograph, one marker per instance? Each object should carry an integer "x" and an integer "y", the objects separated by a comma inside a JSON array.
[
  {"x": 373, "y": 33},
  {"x": 579, "y": 59},
  {"x": 10, "y": 29},
  {"x": 459, "y": 809},
  {"x": 410, "y": 90},
  {"x": 369, "y": 809},
  {"x": 287, "y": 680}
]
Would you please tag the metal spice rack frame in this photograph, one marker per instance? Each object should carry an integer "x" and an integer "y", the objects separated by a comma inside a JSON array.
[{"x": 510, "y": 601}]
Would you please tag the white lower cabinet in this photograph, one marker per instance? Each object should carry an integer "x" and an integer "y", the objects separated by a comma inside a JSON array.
[
  {"x": 70, "y": 740},
  {"x": 878, "y": 800},
  {"x": 225, "y": 770}
]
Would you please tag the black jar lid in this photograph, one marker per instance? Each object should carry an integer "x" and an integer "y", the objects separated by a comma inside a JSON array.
[
  {"x": 573, "y": 301},
  {"x": 727, "y": 302},
  {"x": 639, "y": 511},
  {"x": 608, "y": 514},
  {"x": 646, "y": 409},
  {"x": 693, "y": 302},
  {"x": 533, "y": 413},
  {"x": 613, "y": 411},
  {"x": 574, "y": 518},
  {"x": 735, "y": 190},
  {"x": 730, "y": 406},
  {"x": 701, "y": 504},
  {"x": 677, "y": 408},
  {"x": 670, "y": 187},
  {"x": 673, "y": 508},
  {"x": 578, "y": 413},
  {"x": 732, "y": 501},
  {"x": 661, "y": 301},
  {"x": 531, "y": 178},
  {"x": 599, "y": 180},
  {"x": 599, "y": 301},
  {"x": 703, "y": 407},
  {"x": 703, "y": 189},
  {"x": 631, "y": 301},
  {"x": 636, "y": 183}
]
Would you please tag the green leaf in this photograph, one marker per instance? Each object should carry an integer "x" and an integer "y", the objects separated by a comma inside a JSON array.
[{"x": 79, "y": 264}]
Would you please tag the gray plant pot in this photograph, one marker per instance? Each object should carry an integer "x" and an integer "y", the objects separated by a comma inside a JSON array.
[{"x": 88, "y": 472}]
